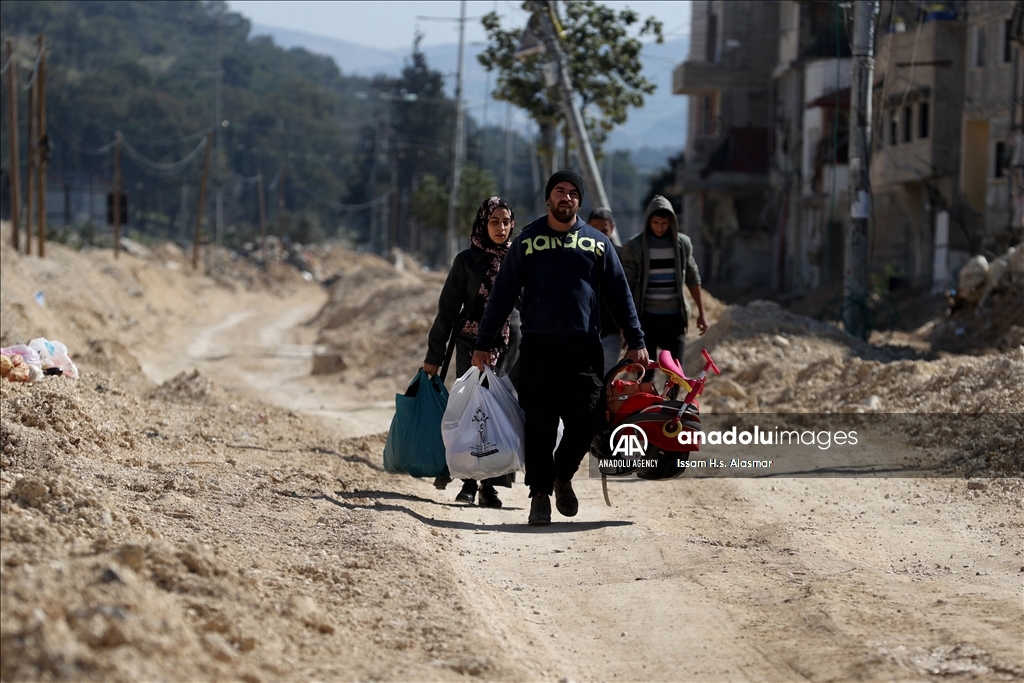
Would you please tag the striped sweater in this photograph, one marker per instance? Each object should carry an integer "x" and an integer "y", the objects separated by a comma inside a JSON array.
[{"x": 662, "y": 295}]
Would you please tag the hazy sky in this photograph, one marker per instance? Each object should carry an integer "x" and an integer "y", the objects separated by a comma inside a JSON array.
[{"x": 392, "y": 24}]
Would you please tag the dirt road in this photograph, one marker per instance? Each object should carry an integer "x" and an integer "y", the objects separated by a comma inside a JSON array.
[{"x": 686, "y": 580}]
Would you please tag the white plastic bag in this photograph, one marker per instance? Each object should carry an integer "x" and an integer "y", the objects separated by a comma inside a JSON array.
[
  {"x": 54, "y": 354},
  {"x": 483, "y": 427}
]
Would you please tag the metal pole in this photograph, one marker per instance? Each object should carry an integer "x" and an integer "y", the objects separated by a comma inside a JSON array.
[
  {"x": 506, "y": 188},
  {"x": 117, "y": 195},
  {"x": 260, "y": 192},
  {"x": 30, "y": 171},
  {"x": 12, "y": 139},
  {"x": 42, "y": 146},
  {"x": 459, "y": 148},
  {"x": 855, "y": 281},
  {"x": 281, "y": 218},
  {"x": 217, "y": 175},
  {"x": 202, "y": 200},
  {"x": 571, "y": 110}
]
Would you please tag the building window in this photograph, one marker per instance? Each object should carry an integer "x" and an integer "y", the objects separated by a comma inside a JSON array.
[
  {"x": 894, "y": 128},
  {"x": 1002, "y": 159},
  {"x": 907, "y": 122},
  {"x": 922, "y": 119},
  {"x": 1006, "y": 43},
  {"x": 978, "y": 45}
]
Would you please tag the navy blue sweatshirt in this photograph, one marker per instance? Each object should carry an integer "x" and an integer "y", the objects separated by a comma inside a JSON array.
[{"x": 563, "y": 278}]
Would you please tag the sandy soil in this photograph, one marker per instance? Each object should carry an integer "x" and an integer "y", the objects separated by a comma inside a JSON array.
[{"x": 199, "y": 507}]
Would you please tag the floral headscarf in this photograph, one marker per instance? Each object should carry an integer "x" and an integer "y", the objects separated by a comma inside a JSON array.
[{"x": 482, "y": 239}]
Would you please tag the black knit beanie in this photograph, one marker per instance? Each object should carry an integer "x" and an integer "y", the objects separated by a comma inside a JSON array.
[{"x": 564, "y": 176}]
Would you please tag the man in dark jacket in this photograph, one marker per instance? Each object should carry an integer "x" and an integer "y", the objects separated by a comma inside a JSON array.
[
  {"x": 561, "y": 267},
  {"x": 658, "y": 263}
]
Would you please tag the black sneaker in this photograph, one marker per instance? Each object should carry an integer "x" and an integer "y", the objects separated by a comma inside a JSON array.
[
  {"x": 441, "y": 483},
  {"x": 488, "y": 497},
  {"x": 565, "y": 498},
  {"x": 468, "y": 492},
  {"x": 540, "y": 510}
]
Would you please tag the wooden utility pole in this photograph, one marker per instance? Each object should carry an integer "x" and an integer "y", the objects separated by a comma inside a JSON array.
[
  {"x": 30, "y": 170},
  {"x": 570, "y": 108},
  {"x": 12, "y": 139},
  {"x": 42, "y": 144},
  {"x": 116, "y": 195},
  {"x": 260, "y": 191},
  {"x": 458, "y": 148},
  {"x": 281, "y": 218},
  {"x": 202, "y": 199},
  {"x": 855, "y": 277}
]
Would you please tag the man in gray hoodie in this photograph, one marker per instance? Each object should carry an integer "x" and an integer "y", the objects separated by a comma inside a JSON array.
[{"x": 658, "y": 263}]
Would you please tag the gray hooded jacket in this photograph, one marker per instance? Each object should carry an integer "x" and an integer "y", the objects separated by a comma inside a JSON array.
[{"x": 636, "y": 259}]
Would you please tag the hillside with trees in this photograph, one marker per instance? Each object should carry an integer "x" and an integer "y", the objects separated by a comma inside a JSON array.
[{"x": 325, "y": 142}]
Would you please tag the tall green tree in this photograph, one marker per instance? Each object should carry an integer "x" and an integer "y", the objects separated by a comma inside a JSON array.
[
  {"x": 603, "y": 51},
  {"x": 430, "y": 201}
]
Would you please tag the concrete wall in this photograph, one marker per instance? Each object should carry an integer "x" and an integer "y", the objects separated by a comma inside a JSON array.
[
  {"x": 988, "y": 92},
  {"x": 935, "y": 79}
]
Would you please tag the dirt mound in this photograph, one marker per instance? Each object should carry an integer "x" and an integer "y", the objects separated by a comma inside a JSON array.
[
  {"x": 187, "y": 387},
  {"x": 377, "y": 319},
  {"x": 774, "y": 361},
  {"x": 179, "y": 528},
  {"x": 987, "y": 309}
]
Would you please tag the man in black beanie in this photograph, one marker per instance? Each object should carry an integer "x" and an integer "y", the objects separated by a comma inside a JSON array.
[
  {"x": 562, "y": 268},
  {"x": 565, "y": 176}
]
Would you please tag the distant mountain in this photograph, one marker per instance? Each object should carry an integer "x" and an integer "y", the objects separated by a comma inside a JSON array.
[{"x": 659, "y": 125}]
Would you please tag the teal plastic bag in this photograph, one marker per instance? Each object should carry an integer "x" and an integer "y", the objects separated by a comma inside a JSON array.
[{"x": 414, "y": 444}]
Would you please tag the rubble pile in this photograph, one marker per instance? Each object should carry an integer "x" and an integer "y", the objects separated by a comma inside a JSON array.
[
  {"x": 377, "y": 319},
  {"x": 987, "y": 309},
  {"x": 774, "y": 361}
]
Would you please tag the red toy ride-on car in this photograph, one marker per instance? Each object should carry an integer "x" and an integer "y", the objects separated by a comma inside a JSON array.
[{"x": 634, "y": 408}]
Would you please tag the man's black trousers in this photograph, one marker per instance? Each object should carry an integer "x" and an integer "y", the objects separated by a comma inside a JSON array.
[
  {"x": 558, "y": 381},
  {"x": 666, "y": 332}
]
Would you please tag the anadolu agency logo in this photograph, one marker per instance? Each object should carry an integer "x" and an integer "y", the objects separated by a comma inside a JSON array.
[{"x": 628, "y": 444}]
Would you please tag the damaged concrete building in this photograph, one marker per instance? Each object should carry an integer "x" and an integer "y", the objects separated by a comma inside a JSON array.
[
  {"x": 812, "y": 142},
  {"x": 764, "y": 182},
  {"x": 724, "y": 179}
]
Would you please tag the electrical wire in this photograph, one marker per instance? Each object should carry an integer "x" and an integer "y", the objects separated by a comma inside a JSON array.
[
  {"x": 245, "y": 180},
  {"x": 342, "y": 207},
  {"x": 160, "y": 167},
  {"x": 96, "y": 151},
  {"x": 277, "y": 178},
  {"x": 35, "y": 70}
]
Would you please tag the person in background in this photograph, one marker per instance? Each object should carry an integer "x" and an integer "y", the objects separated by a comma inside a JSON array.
[
  {"x": 560, "y": 267},
  {"x": 611, "y": 335},
  {"x": 461, "y": 305},
  {"x": 658, "y": 263}
]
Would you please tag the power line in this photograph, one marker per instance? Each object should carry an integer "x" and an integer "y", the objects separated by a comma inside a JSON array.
[{"x": 160, "y": 167}]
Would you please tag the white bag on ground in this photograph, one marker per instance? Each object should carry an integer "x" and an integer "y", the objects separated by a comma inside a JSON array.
[{"x": 483, "y": 427}]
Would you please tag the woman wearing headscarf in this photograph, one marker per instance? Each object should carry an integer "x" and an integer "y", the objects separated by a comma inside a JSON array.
[{"x": 460, "y": 308}]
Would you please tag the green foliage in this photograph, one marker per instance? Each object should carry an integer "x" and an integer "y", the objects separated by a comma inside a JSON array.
[
  {"x": 430, "y": 201},
  {"x": 148, "y": 69},
  {"x": 604, "y": 64}
]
